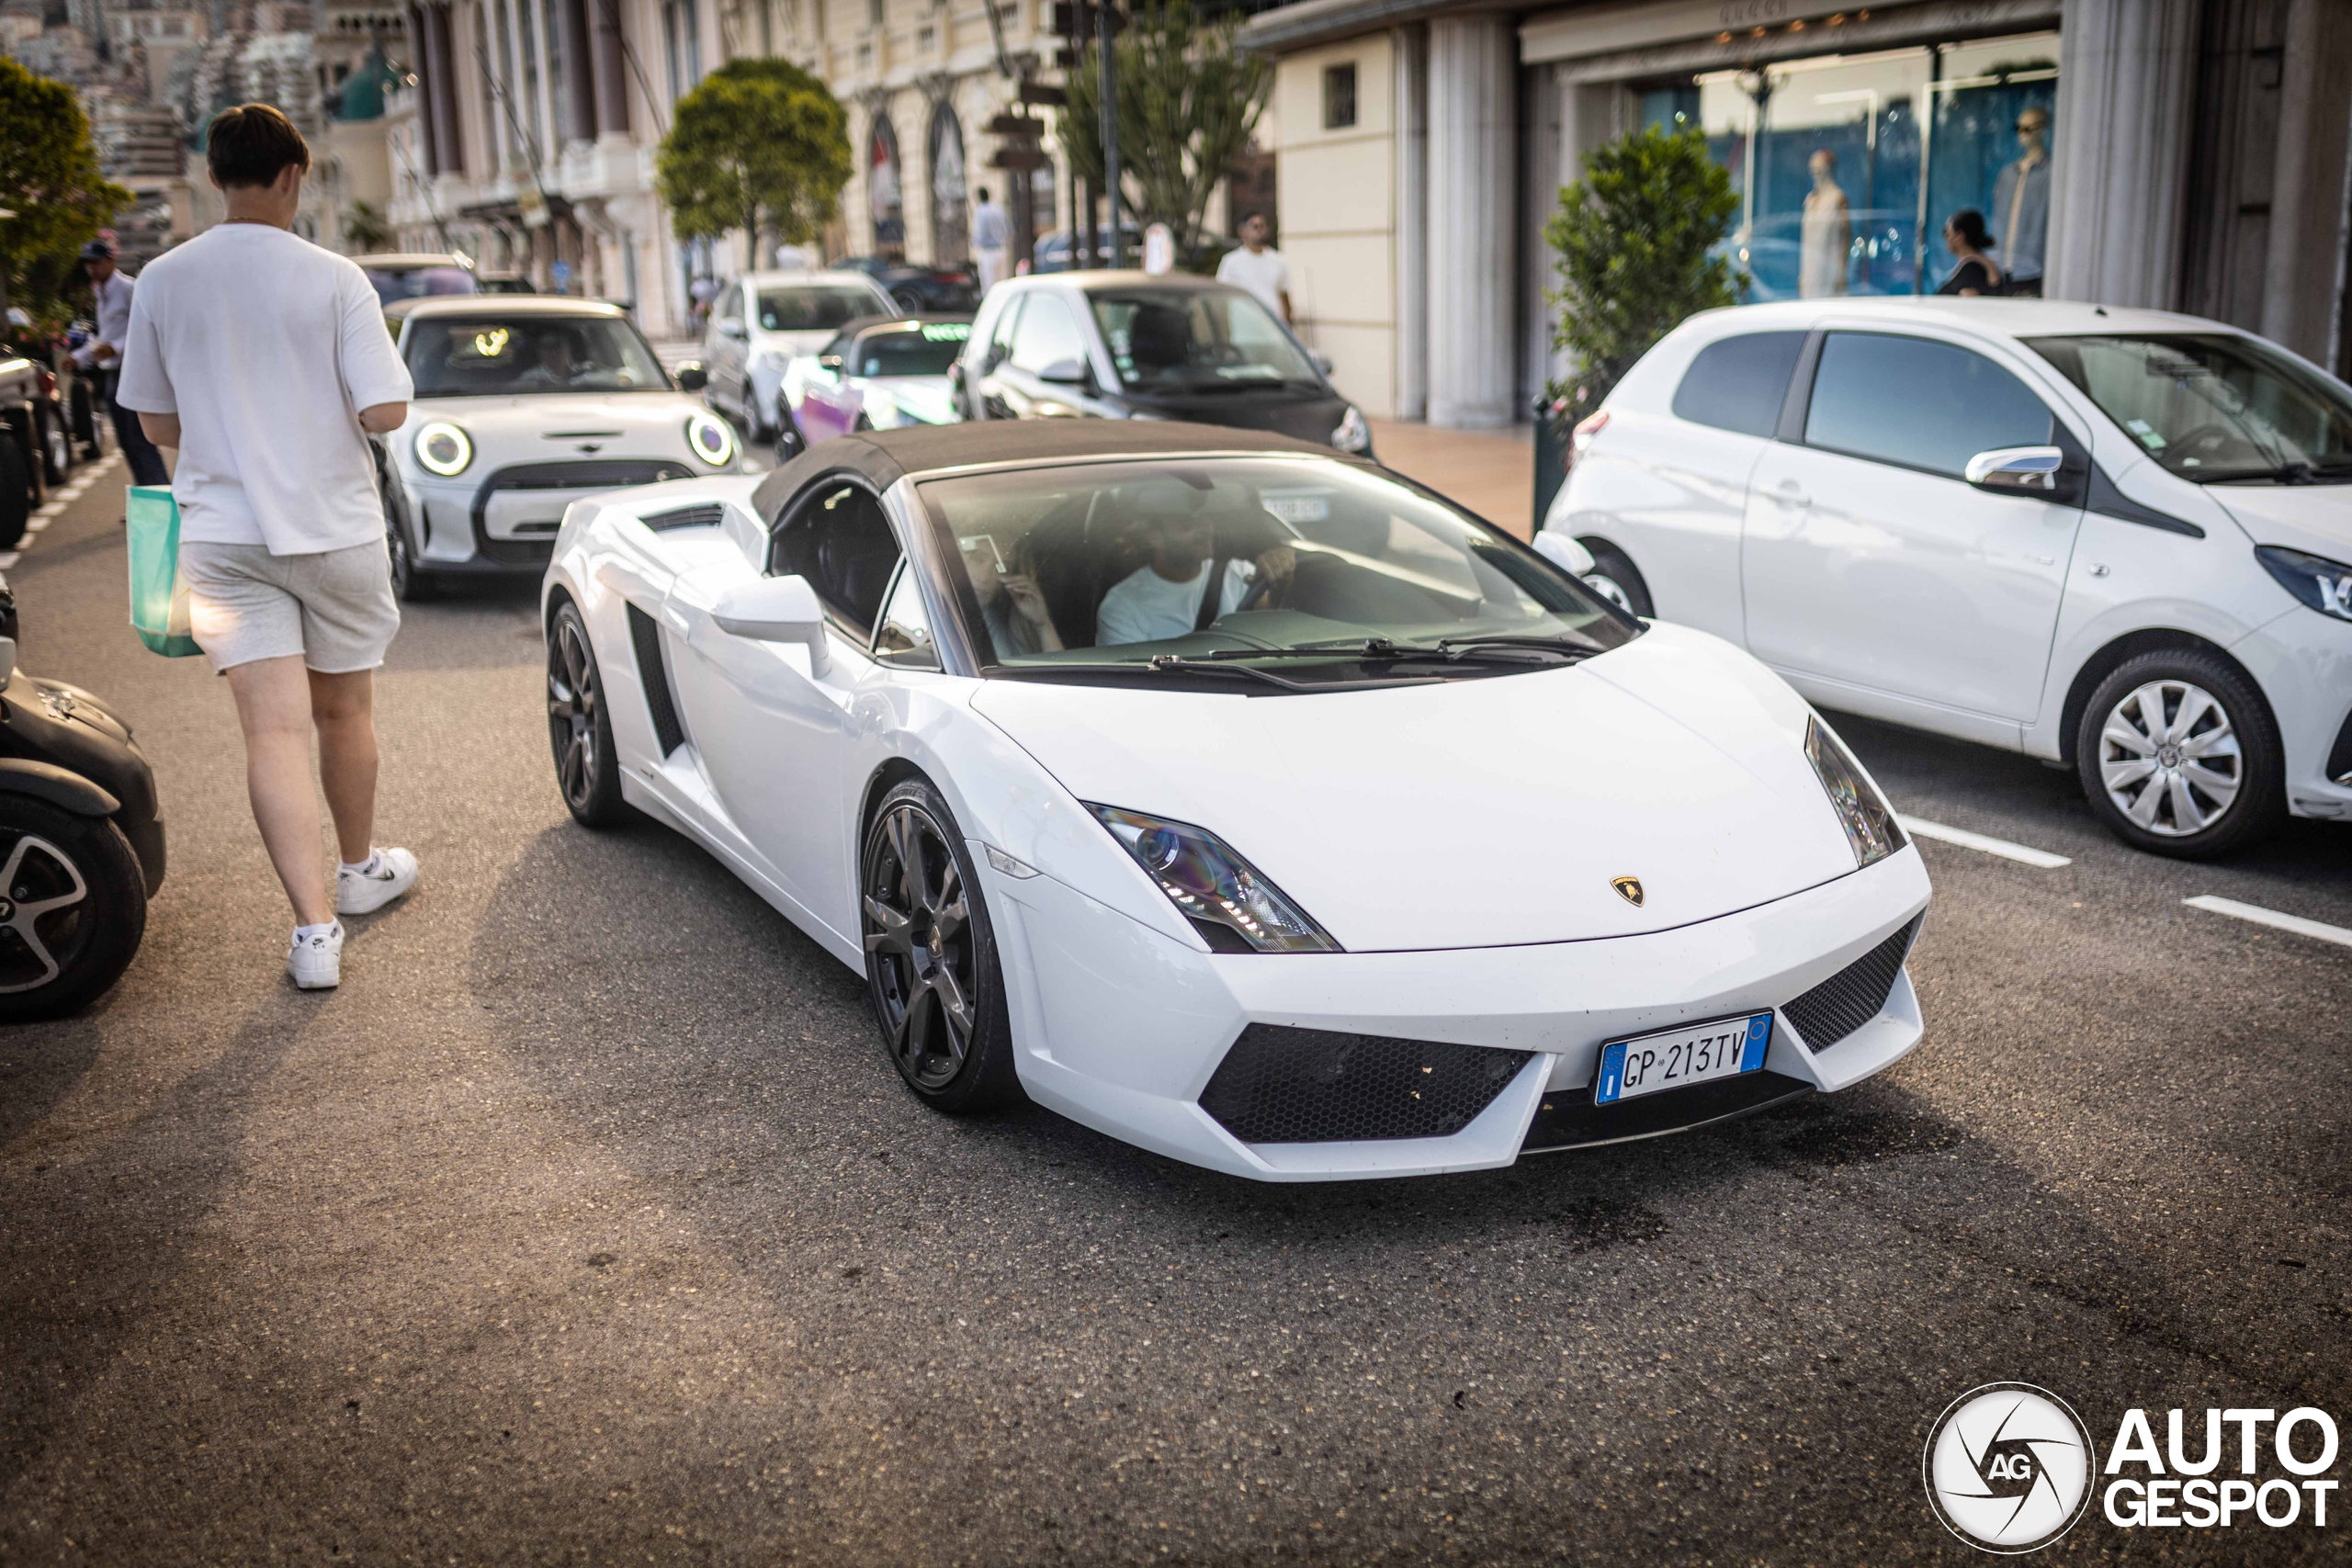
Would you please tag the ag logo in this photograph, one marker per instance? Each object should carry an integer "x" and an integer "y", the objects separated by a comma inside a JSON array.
[
  {"x": 1628, "y": 889},
  {"x": 2009, "y": 1467}
]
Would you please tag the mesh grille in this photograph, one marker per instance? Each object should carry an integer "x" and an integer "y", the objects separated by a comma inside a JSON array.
[
  {"x": 1853, "y": 995},
  {"x": 1311, "y": 1085}
]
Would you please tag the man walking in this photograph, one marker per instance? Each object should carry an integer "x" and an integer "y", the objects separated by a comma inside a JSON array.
[
  {"x": 110, "y": 296},
  {"x": 1259, "y": 267},
  {"x": 264, "y": 360},
  {"x": 991, "y": 234}
]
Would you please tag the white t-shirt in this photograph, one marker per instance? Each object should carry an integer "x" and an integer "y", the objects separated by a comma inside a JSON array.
[
  {"x": 1266, "y": 275},
  {"x": 1144, "y": 607},
  {"x": 266, "y": 347}
]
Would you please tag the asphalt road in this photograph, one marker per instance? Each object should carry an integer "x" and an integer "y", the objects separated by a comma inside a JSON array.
[{"x": 586, "y": 1222}]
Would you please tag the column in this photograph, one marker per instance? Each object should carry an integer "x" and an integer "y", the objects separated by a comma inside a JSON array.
[
  {"x": 612, "y": 69},
  {"x": 1472, "y": 187},
  {"x": 441, "y": 96},
  {"x": 2310, "y": 215},
  {"x": 1410, "y": 51},
  {"x": 427, "y": 85},
  {"x": 2127, "y": 73},
  {"x": 579, "y": 71}
]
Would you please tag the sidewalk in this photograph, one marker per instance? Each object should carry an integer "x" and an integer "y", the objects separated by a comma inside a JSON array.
[{"x": 1492, "y": 472}]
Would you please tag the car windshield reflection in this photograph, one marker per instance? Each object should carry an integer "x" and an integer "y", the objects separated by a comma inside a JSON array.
[
  {"x": 2213, "y": 406},
  {"x": 492, "y": 357},
  {"x": 1197, "y": 340},
  {"x": 1274, "y": 562}
]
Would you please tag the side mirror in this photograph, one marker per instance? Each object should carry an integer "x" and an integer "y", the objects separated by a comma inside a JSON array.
[
  {"x": 734, "y": 329},
  {"x": 1065, "y": 372},
  {"x": 2017, "y": 470},
  {"x": 691, "y": 376},
  {"x": 774, "y": 609},
  {"x": 1563, "y": 552},
  {"x": 1322, "y": 362},
  {"x": 832, "y": 362},
  {"x": 956, "y": 375}
]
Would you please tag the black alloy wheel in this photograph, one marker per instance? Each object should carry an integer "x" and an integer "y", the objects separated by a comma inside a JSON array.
[
  {"x": 580, "y": 732},
  {"x": 73, "y": 909},
  {"x": 930, "y": 961},
  {"x": 2180, "y": 755}
]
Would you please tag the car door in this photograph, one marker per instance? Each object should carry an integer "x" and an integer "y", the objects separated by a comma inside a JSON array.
[
  {"x": 985, "y": 372},
  {"x": 773, "y": 737},
  {"x": 1870, "y": 564},
  {"x": 724, "y": 352},
  {"x": 828, "y": 402},
  {"x": 1048, "y": 369}
]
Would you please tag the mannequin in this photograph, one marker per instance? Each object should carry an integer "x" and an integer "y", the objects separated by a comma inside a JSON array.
[
  {"x": 2021, "y": 204},
  {"x": 1828, "y": 233}
]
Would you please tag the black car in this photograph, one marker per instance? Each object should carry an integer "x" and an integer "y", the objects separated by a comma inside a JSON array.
[
  {"x": 1130, "y": 345},
  {"x": 81, "y": 840},
  {"x": 920, "y": 290}
]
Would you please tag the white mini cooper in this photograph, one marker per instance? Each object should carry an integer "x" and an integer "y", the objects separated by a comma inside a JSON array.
[{"x": 524, "y": 404}]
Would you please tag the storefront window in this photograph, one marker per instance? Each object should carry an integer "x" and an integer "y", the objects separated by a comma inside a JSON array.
[{"x": 1848, "y": 166}]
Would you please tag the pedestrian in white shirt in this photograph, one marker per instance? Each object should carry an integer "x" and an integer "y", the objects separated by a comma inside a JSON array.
[
  {"x": 992, "y": 237},
  {"x": 1259, "y": 267},
  {"x": 264, "y": 360},
  {"x": 110, "y": 296}
]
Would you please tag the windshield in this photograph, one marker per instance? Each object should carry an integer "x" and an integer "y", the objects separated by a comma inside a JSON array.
[
  {"x": 482, "y": 356},
  {"x": 2213, "y": 406},
  {"x": 815, "y": 307},
  {"x": 416, "y": 282},
  {"x": 1119, "y": 566},
  {"x": 1197, "y": 340},
  {"x": 909, "y": 351}
]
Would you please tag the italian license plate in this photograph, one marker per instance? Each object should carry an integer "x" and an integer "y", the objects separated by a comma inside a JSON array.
[{"x": 1650, "y": 1063}]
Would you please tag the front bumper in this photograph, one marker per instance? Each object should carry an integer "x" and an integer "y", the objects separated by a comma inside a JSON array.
[
  {"x": 1121, "y": 1028},
  {"x": 2303, "y": 662},
  {"x": 506, "y": 519}
]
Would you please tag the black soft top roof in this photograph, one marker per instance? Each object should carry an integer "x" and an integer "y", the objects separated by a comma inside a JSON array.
[{"x": 885, "y": 456}]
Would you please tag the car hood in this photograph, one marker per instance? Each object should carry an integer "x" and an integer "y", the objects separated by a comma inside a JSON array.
[
  {"x": 930, "y": 399},
  {"x": 559, "y": 426},
  {"x": 2317, "y": 518},
  {"x": 1307, "y": 416},
  {"x": 1476, "y": 813},
  {"x": 791, "y": 344}
]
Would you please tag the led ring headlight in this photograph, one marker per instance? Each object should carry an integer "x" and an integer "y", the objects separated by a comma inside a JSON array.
[
  {"x": 712, "y": 439},
  {"x": 444, "y": 450}
]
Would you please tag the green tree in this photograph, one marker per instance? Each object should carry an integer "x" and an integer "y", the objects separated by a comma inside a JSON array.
[
  {"x": 761, "y": 146},
  {"x": 50, "y": 181},
  {"x": 1634, "y": 242},
  {"x": 364, "y": 227},
  {"x": 1188, "y": 102}
]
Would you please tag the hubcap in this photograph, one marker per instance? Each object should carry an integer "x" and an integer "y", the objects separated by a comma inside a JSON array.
[
  {"x": 1609, "y": 588},
  {"x": 41, "y": 927},
  {"x": 2169, "y": 758},
  {"x": 571, "y": 712},
  {"x": 919, "y": 946}
]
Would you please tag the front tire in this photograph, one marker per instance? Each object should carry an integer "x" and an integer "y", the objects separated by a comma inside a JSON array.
[
  {"x": 2179, "y": 756},
  {"x": 411, "y": 584},
  {"x": 579, "y": 729},
  {"x": 932, "y": 971},
  {"x": 1616, "y": 578},
  {"x": 56, "y": 448},
  {"x": 73, "y": 909}
]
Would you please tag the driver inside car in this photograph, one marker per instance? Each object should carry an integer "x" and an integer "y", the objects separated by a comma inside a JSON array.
[{"x": 1167, "y": 596}]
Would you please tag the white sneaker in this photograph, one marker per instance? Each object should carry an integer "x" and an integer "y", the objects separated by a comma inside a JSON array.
[
  {"x": 367, "y": 887},
  {"x": 317, "y": 963}
]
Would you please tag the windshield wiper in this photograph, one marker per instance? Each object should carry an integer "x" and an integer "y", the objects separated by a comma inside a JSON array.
[
  {"x": 1570, "y": 645},
  {"x": 1183, "y": 664}
]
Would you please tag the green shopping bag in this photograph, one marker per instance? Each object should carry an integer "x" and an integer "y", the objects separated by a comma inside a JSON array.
[{"x": 158, "y": 592}]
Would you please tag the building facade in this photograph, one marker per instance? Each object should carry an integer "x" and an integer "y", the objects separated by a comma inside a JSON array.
[
  {"x": 527, "y": 133},
  {"x": 2187, "y": 155}
]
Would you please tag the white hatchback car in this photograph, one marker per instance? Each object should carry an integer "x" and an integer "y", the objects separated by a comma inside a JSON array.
[
  {"x": 524, "y": 404},
  {"x": 2116, "y": 538},
  {"x": 764, "y": 321}
]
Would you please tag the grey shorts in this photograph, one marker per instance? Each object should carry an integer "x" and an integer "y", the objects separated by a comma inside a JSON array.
[{"x": 335, "y": 608}]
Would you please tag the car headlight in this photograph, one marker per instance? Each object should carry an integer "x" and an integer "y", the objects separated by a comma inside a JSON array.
[
  {"x": 1869, "y": 821},
  {"x": 443, "y": 448},
  {"x": 2325, "y": 585},
  {"x": 1229, "y": 902},
  {"x": 712, "y": 438},
  {"x": 1353, "y": 434}
]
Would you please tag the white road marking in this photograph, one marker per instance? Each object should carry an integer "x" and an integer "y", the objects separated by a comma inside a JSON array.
[
  {"x": 51, "y": 510},
  {"x": 2259, "y": 916},
  {"x": 37, "y": 525},
  {"x": 2022, "y": 853},
  {"x": 8, "y": 560}
]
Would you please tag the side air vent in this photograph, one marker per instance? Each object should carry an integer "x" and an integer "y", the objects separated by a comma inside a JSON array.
[
  {"x": 2340, "y": 759},
  {"x": 1853, "y": 995},
  {"x": 1279, "y": 1085},
  {"x": 646, "y": 638},
  {"x": 705, "y": 514}
]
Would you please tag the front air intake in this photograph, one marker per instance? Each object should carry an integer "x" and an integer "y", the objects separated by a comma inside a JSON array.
[
  {"x": 1853, "y": 995},
  {"x": 1279, "y": 1085},
  {"x": 645, "y": 639}
]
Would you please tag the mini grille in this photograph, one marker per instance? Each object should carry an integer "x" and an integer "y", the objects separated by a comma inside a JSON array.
[
  {"x": 1311, "y": 1085},
  {"x": 706, "y": 516},
  {"x": 1853, "y": 995}
]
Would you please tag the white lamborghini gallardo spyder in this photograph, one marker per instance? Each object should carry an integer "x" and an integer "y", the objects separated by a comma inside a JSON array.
[{"x": 1235, "y": 797}]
